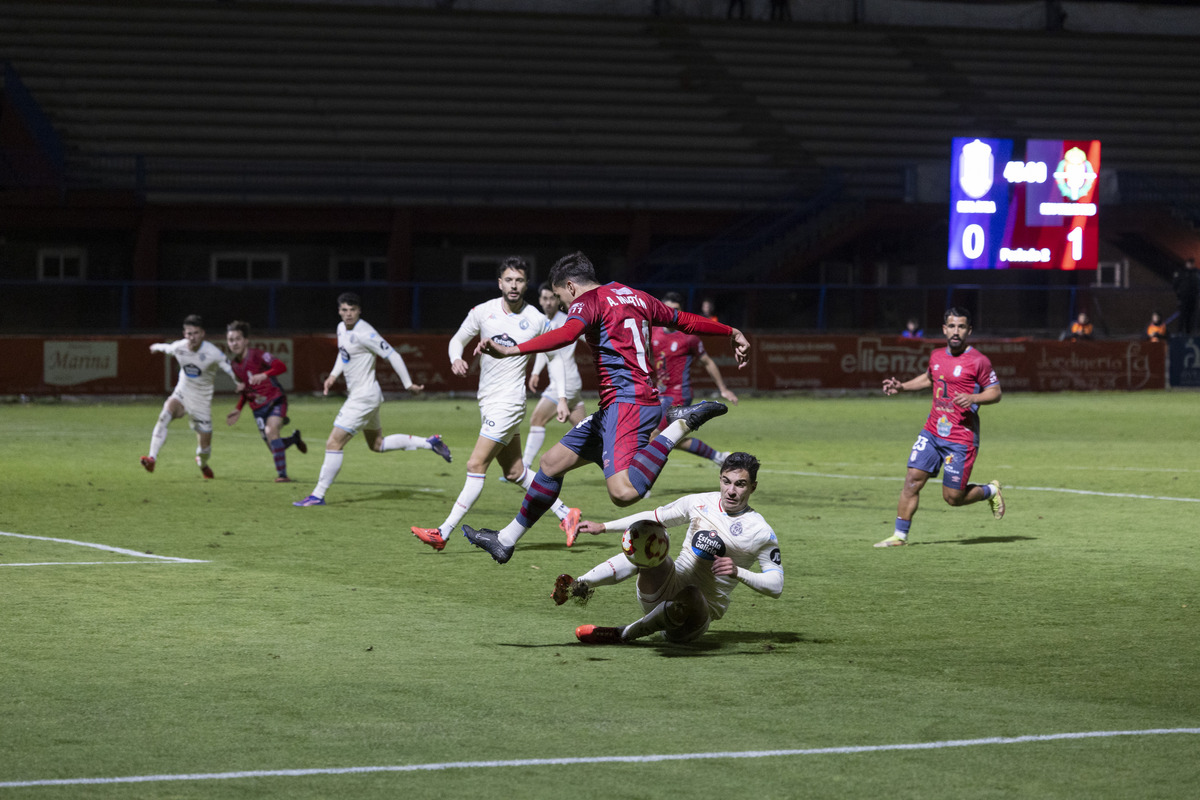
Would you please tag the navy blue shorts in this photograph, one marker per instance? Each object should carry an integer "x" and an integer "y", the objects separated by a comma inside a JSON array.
[
  {"x": 613, "y": 435},
  {"x": 931, "y": 453}
]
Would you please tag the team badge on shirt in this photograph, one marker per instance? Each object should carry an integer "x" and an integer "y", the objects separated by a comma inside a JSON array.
[{"x": 943, "y": 426}]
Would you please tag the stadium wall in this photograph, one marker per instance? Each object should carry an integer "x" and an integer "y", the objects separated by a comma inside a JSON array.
[{"x": 123, "y": 365}]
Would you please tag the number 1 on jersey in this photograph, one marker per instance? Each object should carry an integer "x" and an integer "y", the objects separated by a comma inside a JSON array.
[{"x": 639, "y": 335}]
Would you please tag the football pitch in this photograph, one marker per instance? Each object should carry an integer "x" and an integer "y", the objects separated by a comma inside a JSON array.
[{"x": 164, "y": 636}]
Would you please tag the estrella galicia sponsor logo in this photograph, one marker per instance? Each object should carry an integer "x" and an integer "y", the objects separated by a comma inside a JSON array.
[
  {"x": 505, "y": 339},
  {"x": 345, "y": 355},
  {"x": 191, "y": 370},
  {"x": 707, "y": 545},
  {"x": 775, "y": 557}
]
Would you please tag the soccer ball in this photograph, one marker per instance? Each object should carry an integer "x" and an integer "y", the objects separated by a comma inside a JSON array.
[{"x": 646, "y": 543}]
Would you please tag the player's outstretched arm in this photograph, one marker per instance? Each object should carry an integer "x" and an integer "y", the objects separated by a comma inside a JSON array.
[{"x": 895, "y": 385}]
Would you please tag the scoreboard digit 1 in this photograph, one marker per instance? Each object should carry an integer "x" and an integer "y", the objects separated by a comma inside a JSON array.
[{"x": 1035, "y": 213}]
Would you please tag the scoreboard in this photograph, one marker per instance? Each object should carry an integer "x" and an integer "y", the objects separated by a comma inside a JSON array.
[{"x": 1033, "y": 212}]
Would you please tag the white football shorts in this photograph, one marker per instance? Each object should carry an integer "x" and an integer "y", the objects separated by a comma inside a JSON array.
[
  {"x": 574, "y": 399},
  {"x": 501, "y": 421},
  {"x": 671, "y": 587},
  {"x": 198, "y": 406},
  {"x": 359, "y": 413}
]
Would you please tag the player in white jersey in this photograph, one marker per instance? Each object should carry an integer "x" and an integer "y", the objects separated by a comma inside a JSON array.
[
  {"x": 198, "y": 363},
  {"x": 725, "y": 537},
  {"x": 562, "y": 401},
  {"x": 501, "y": 395},
  {"x": 359, "y": 345}
]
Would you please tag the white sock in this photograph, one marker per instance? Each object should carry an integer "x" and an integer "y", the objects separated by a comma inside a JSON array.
[
  {"x": 656, "y": 620},
  {"x": 159, "y": 435},
  {"x": 202, "y": 456},
  {"x": 537, "y": 437},
  {"x": 466, "y": 498},
  {"x": 606, "y": 573},
  {"x": 402, "y": 441},
  {"x": 677, "y": 431},
  {"x": 512, "y": 533},
  {"x": 330, "y": 468}
]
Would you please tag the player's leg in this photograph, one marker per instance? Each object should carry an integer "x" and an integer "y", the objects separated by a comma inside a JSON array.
[
  {"x": 910, "y": 497},
  {"x": 680, "y": 611},
  {"x": 689, "y": 444},
  {"x": 203, "y": 449},
  {"x": 957, "y": 490},
  {"x": 924, "y": 462},
  {"x": 404, "y": 441},
  {"x": 517, "y": 473},
  {"x": 271, "y": 428},
  {"x": 345, "y": 425},
  {"x": 699, "y": 448},
  {"x": 543, "y": 412},
  {"x": 171, "y": 409},
  {"x": 681, "y": 619},
  {"x": 486, "y": 450},
  {"x": 540, "y": 497},
  {"x": 199, "y": 411},
  {"x": 633, "y": 481}
]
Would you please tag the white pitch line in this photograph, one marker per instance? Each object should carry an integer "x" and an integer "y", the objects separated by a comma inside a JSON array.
[
  {"x": 106, "y": 547},
  {"x": 1007, "y": 486},
  {"x": 556, "y": 762}
]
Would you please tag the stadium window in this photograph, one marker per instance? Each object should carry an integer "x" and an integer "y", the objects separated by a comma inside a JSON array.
[
  {"x": 62, "y": 264},
  {"x": 255, "y": 267},
  {"x": 482, "y": 268},
  {"x": 1113, "y": 273},
  {"x": 354, "y": 269}
]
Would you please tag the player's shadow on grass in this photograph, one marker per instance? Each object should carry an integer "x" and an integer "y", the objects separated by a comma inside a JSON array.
[
  {"x": 734, "y": 643},
  {"x": 981, "y": 540},
  {"x": 391, "y": 495}
]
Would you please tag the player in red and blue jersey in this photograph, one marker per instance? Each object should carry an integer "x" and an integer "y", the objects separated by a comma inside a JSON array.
[
  {"x": 674, "y": 353},
  {"x": 962, "y": 380},
  {"x": 255, "y": 371},
  {"x": 616, "y": 321}
]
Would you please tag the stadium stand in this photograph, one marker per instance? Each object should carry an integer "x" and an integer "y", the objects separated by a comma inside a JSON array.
[{"x": 804, "y": 136}]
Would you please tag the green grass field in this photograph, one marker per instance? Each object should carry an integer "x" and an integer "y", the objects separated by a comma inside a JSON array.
[{"x": 330, "y": 639}]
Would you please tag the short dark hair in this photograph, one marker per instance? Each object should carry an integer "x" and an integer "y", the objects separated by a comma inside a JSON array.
[
  {"x": 673, "y": 297},
  {"x": 350, "y": 299},
  {"x": 575, "y": 267},
  {"x": 513, "y": 262},
  {"x": 195, "y": 320},
  {"x": 545, "y": 287},
  {"x": 955, "y": 311},
  {"x": 741, "y": 460},
  {"x": 238, "y": 325}
]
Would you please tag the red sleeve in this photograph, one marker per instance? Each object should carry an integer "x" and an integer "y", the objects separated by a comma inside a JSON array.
[
  {"x": 553, "y": 340},
  {"x": 277, "y": 368},
  {"x": 703, "y": 326},
  {"x": 241, "y": 401}
]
